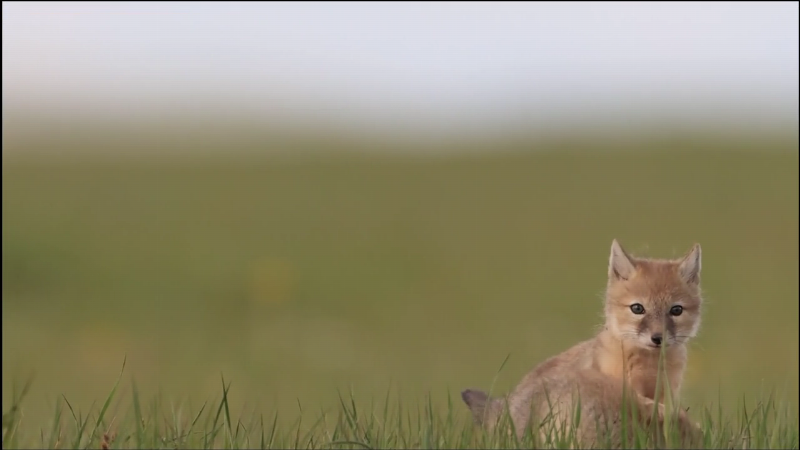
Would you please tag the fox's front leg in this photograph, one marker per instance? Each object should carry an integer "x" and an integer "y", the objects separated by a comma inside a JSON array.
[{"x": 691, "y": 433}]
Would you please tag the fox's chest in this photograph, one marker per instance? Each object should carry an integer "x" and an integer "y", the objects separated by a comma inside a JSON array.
[
  {"x": 643, "y": 381},
  {"x": 644, "y": 378},
  {"x": 641, "y": 374}
]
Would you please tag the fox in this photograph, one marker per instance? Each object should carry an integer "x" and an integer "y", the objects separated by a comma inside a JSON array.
[
  {"x": 591, "y": 405},
  {"x": 652, "y": 310}
]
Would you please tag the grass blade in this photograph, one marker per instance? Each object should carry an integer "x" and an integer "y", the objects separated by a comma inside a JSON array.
[{"x": 106, "y": 404}]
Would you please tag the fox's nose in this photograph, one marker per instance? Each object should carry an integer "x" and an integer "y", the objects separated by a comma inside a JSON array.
[{"x": 656, "y": 338}]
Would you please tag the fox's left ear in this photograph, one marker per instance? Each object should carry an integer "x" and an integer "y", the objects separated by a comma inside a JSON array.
[
  {"x": 689, "y": 267},
  {"x": 620, "y": 265}
]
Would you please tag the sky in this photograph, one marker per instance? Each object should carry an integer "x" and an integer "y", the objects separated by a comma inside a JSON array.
[{"x": 439, "y": 65}]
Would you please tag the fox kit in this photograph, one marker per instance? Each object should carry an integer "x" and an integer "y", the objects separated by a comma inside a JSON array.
[
  {"x": 652, "y": 307},
  {"x": 554, "y": 410}
]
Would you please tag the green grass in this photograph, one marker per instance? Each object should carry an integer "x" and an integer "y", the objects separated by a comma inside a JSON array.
[
  {"x": 386, "y": 423},
  {"x": 302, "y": 277}
]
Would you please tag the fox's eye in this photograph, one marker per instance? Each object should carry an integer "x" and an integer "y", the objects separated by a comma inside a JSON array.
[
  {"x": 637, "y": 308},
  {"x": 676, "y": 310}
]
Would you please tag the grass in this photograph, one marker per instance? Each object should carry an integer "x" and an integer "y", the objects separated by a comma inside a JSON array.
[
  {"x": 301, "y": 278},
  {"x": 769, "y": 423}
]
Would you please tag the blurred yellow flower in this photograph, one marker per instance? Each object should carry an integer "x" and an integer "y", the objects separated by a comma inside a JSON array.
[{"x": 273, "y": 281}]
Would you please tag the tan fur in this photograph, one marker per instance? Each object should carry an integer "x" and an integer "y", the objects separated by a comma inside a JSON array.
[
  {"x": 554, "y": 401},
  {"x": 622, "y": 354}
]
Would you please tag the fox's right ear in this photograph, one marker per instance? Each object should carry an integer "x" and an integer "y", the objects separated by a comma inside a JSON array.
[
  {"x": 620, "y": 265},
  {"x": 689, "y": 266}
]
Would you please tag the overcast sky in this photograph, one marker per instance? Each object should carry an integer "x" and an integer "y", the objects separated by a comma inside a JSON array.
[{"x": 450, "y": 64}]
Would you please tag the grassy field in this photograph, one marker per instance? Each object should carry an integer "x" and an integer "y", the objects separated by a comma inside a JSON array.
[
  {"x": 298, "y": 279},
  {"x": 770, "y": 423}
]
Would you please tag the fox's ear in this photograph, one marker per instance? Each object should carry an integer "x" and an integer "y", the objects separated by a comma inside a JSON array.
[
  {"x": 689, "y": 267},
  {"x": 620, "y": 265}
]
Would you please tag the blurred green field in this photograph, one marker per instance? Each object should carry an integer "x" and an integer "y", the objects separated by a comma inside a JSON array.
[{"x": 298, "y": 277}]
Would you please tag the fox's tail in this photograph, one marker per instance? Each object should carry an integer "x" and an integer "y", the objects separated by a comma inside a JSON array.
[{"x": 485, "y": 410}]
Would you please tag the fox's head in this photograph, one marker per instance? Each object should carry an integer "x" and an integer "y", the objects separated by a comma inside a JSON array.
[{"x": 653, "y": 302}]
